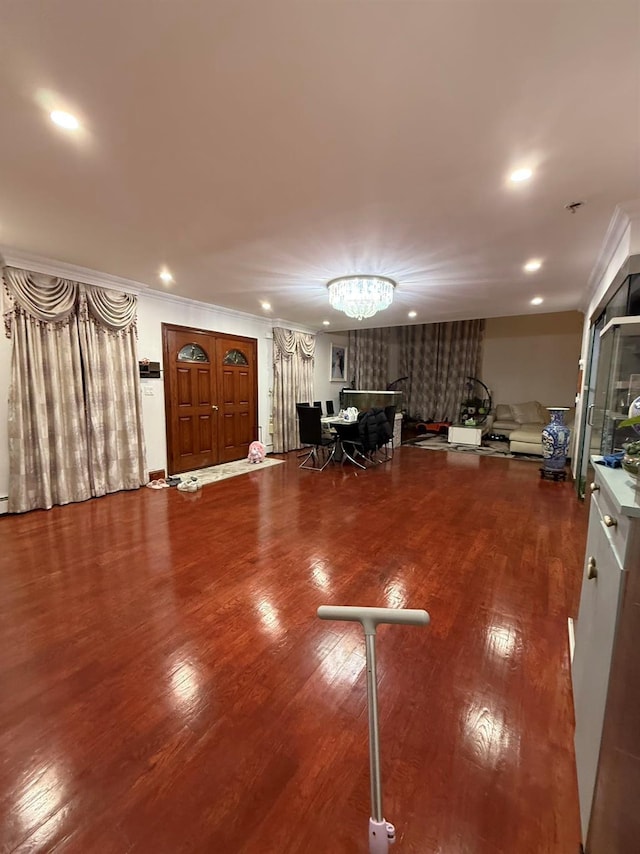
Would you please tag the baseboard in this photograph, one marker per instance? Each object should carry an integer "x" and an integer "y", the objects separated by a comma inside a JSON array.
[
  {"x": 572, "y": 637},
  {"x": 4, "y": 506}
]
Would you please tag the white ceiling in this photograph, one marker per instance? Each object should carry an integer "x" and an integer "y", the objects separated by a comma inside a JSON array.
[{"x": 259, "y": 149}]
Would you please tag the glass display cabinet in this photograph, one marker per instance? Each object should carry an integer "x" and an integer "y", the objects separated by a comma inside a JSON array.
[{"x": 617, "y": 385}]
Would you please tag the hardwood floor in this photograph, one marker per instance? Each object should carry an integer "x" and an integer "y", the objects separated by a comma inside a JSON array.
[{"x": 165, "y": 685}]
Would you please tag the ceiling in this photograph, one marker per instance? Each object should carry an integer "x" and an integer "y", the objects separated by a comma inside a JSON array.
[{"x": 259, "y": 149}]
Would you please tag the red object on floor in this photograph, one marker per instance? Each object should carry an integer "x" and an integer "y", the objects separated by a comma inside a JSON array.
[{"x": 433, "y": 426}]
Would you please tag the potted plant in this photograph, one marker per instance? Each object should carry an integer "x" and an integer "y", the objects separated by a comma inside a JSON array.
[{"x": 631, "y": 459}]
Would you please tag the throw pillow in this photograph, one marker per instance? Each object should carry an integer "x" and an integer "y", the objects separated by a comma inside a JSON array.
[
  {"x": 544, "y": 414},
  {"x": 526, "y": 413},
  {"x": 503, "y": 412}
]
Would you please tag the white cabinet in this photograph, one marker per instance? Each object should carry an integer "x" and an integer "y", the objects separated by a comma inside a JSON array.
[
  {"x": 462, "y": 435},
  {"x": 613, "y": 524},
  {"x": 601, "y": 586}
]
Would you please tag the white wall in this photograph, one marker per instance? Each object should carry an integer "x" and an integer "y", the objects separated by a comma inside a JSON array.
[
  {"x": 156, "y": 308},
  {"x": 153, "y": 310},
  {"x": 525, "y": 358},
  {"x": 533, "y": 357},
  {"x": 323, "y": 387}
]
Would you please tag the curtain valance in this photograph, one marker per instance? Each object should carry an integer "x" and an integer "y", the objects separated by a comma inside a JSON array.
[
  {"x": 287, "y": 342},
  {"x": 51, "y": 300},
  {"x": 47, "y": 299},
  {"x": 113, "y": 309}
]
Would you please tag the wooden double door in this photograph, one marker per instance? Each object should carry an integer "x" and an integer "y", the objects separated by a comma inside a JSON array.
[{"x": 211, "y": 396}]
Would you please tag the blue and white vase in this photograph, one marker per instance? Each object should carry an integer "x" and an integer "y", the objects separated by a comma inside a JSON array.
[{"x": 555, "y": 439}]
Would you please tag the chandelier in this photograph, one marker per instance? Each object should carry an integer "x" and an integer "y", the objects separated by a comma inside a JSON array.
[{"x": 361, "y": 296}]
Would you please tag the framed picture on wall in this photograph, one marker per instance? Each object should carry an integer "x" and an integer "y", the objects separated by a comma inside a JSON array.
[{"x": 338, "y": 367}]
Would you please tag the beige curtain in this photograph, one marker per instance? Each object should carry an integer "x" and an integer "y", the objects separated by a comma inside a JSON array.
[
  {"x": 112, "y": 390},
  {"x": 75, "y": 425},
  {"x": 293, "y": 360},
  {"x": 438, "y": 358},
  {"x": 47, "y": 427},
  {"x": 369, "y": 356}
]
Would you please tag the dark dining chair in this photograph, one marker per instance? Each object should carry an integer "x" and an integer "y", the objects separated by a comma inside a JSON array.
[
  {"x": 362, "y": 440},
  {"x": 311, "y": 434},
  {"x": 318, "y": 404},
  {"x": 298, "y": 405},
  {"x": 388, "y": 448},
  {"x": 355, "y": 441},
  {"x": 351, "y": 444},
  {"x": 330, "y": 409}
]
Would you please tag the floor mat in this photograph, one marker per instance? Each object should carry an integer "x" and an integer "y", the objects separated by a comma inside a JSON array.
[
  {"x": 225, "y": 470},
  {"x": 488, "y": 448}
]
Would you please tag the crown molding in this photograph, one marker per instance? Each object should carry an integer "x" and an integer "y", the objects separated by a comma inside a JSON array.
[
  {"x": 623, "y": 215},
  {"x": 282, "y": 323},
  {"x": 51, "y": 267},
  {"x": 151, "y": 293},
  {"x": 632, "y": 208}
]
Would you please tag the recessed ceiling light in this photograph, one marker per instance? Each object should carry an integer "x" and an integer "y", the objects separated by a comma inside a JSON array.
[
  {"x": 413, "y": 314},
  {"x": 537, "y": 301},
  {"x": 533, "y": 265},
  {"x": 166, "y": 276},
  {"x": 64, "y": 120},
  {"x": 520, "y": 175},
  {"x": 326, "y": 322},
  {"x": 266, "y": 305}
]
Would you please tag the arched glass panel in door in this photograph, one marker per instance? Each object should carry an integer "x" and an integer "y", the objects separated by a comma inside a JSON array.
[
  {"x": 192, "y": 353},
  {"x": 235, "y": 357}
]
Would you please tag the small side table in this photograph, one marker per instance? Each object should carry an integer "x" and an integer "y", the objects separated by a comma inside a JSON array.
[{"x": 460, "y": 434}]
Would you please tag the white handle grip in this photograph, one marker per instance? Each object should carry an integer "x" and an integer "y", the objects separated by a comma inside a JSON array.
[{"x": 371, "y": 617}]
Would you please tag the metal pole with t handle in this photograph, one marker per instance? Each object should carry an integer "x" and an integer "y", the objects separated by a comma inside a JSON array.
[{"x": 382, "y": 833}]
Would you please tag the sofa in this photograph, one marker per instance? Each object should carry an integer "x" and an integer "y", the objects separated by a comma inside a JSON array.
[{"x": 522, "y": 424}]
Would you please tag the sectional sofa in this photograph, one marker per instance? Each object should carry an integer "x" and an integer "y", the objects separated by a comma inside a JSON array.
[{"x": 522, "y": 424}]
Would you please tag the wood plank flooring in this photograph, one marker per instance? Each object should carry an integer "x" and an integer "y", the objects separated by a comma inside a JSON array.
[{"x": 165, "y": 685}]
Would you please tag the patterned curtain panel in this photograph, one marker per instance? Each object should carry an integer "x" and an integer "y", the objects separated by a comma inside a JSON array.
[
  {"x": 293, "y": 360},
  {"x": 438, "y": 358},
  {"x": 369, "y": 356},
  {"x": 71, "y": 436},
  {"x": 47, "y": 427},
  {"x": 112, "y": 390}
]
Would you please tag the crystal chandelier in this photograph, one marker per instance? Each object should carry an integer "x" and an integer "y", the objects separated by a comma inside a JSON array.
[{"x": 361, "y": 296}]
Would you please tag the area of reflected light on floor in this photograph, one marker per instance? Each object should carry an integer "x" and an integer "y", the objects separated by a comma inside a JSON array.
[
  {"x": 488, "y": 738},
  {"x": 501, "y": 640},
  {"x": 185, "y": 685},
  {"x": 321, "y": 578},
  {"x": 268, "y": 615},
  {"x": 343, "y": 665},
  {"x": 395, "y": 593},
  {"x": 41, "y": 798}
]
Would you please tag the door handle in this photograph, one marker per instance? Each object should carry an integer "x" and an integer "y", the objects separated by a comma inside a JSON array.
[
  {"x": 594, "y": 487},
  {"x": 609, "y": 521},
  {"x": 592, "y": 572},
  {"x": 589, "y": 414},
  {"x": 213, "y": 406}
]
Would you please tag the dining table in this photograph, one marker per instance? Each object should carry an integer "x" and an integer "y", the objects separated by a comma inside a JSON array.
[{"x": 332, "y": 423}]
